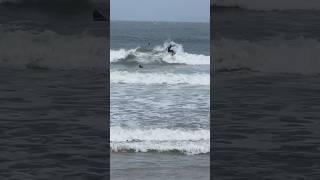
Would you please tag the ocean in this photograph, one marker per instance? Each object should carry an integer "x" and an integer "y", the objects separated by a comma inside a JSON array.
[
  {"x": 265, "y": 117},
  {"x": 53, "y": 92},
  {"x": 159, "y": 103}
]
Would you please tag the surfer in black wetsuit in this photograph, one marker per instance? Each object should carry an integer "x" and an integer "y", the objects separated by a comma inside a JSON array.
[
  {"x": 98, "y": 16},
  {"x": 170, "y": 50}
]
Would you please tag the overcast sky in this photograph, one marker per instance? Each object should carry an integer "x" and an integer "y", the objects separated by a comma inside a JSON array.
[{"x": 161, "y": 10}]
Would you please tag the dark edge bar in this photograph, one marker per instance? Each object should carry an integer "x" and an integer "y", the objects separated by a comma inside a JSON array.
[
  {"x": 108, "y": 85},
  {"x": 211, "y": 88}
]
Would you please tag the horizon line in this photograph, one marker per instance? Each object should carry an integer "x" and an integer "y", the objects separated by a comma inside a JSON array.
[{"x": 126, "y": 20}]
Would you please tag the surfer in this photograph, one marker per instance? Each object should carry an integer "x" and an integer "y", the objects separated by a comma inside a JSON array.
[
  {"x": 147, "y": 46},
  {"x": 170, "y": 50},
  {"x": 98, "y": 16}
]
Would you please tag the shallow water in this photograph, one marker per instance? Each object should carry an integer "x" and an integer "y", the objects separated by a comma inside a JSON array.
[{"x": 155, "y": 166}]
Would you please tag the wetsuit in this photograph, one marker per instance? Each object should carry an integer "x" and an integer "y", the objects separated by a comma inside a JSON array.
[{"x": 170, "y": 50}]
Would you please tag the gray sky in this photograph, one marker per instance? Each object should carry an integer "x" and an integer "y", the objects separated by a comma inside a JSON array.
[{"x": 161, "y": 10}]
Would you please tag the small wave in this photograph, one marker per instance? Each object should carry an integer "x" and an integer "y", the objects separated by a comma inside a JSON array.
[
  {"x": 61, "y": 6},
  {"x": 159, "y": 140},
  {"x": 159, "y": 78},
  {"x": 240, "y": 69},
  {"x": 268, "y": 5},
  {"x": 276, "y": 55},
  {"x": 158, "y": 55},
  {"x": 48, "y": 50}
]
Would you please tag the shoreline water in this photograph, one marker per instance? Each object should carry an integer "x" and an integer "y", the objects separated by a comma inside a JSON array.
[
  {"x": 155, "y": 166},
  {"x": 159, "y": 113}
]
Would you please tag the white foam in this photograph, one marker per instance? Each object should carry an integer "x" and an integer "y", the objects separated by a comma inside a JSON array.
[
  {"x": 160, "y": 140},
  {"x": 278, "y": 54},
  {"x": 115, "y": 55},
  {"x": 159, "y": 55},
  {"x": 159, "y": 78}
]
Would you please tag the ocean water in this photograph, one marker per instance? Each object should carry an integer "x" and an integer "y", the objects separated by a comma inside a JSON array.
[
  {"x": 53, "y": 93},
  {"x": 159, "y": 125},
  {"x": 265, "y": 116}
]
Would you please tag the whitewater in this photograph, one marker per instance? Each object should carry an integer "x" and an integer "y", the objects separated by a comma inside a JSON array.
[
  {"x": 166, "y": 72},
  {"x": 160, "y": 140},
  {"x": 159, "y": 103},
  {"x": 158, "y": 55}
]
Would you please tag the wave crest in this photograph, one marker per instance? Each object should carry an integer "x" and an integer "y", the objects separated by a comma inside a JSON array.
[
  {"x": 276, "y": 55},
  {"x": 268, "y": 5},
  {"x": 159, "y": 78},
  {"x": 51, "y": 50},
  {"x": 159, "y": 140},
  {"x": 157, "y": 55}
]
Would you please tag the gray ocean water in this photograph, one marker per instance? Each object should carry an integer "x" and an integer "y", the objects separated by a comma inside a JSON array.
[
  {"x": 266, "y": 94},
  {"x": 53, "y": 93},
  {"x": 160, "y": 110}
]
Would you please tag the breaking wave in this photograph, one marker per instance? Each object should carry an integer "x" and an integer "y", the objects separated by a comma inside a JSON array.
[
  {"x": 159, "y": 78},
  {"x": 48, "y": 50},
  {"x": 157, "y": 55},
  {"x": 160, "y": 140},
  {"x": 276, "y": 55}
]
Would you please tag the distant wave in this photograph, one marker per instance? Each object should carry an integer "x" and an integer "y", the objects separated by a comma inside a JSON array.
[
  {"x": 159, "y": 78},
  {"x": 160, "y": 140},
  {"x": 75, "y": 3},
  {"x": 59, "y": 6},
  {"x": 267, "y": 5},
  {"x": 157, "y": 55},
  {"x": 48, "y": 50},
  {"x": 279, "y": 55}
]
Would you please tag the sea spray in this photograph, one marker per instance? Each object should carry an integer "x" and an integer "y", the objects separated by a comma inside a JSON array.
[{"x": 158, "y": 55}]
